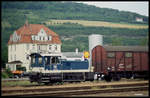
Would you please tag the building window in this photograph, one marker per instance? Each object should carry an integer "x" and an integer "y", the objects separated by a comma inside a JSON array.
[
  {"x": 27, "y": 46},
  {"x": 40, "y": 37},
  {"x": 15, "y": 58},
  {"x": 49, "y": 38},
  {"x": 39, "y": 47},
  {"x": 111, "y": 54},
  {"x": 36, "y": 38},
  {"x": 50, "y": 47},
  {"x": 10, "y": 47},
  {"x": 33, "y": 37},
  {"x": 55, "y": 47},
  {"x": 128, "y": 54},
  {"x": 15, "y": 47},
  {"x": 45, "y": 38},
  {"x": 11, "y": 58}
]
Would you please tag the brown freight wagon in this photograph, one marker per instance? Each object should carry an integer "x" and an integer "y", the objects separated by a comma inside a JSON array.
[{"x": 121, "y": 61}]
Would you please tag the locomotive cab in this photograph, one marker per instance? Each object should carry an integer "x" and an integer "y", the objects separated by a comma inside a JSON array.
[{"x": 44, "y": 62}]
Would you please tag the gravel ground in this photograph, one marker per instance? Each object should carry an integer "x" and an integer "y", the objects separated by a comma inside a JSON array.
[
  {"x": 75, "y": 84},
  {"x": 123, "y": 94}
]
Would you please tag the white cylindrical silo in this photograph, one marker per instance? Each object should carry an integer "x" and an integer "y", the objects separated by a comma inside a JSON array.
[{"x": 94, "y": 40}]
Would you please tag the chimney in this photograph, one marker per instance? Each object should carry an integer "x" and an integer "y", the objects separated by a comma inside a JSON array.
[{"x": 76, "y": 50}]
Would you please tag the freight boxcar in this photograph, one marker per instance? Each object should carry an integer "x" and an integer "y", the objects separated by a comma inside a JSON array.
[{"x": 116, "y": 62}]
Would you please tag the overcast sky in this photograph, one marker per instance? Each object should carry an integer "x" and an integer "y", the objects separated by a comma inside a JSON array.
[{"x": 140, "y": 7}]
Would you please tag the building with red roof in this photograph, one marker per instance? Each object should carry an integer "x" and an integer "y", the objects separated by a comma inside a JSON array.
[{"x": 32, "y": 38}]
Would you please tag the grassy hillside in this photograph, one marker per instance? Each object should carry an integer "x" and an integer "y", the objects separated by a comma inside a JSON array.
[
  {"x": 76, "y": 35},
  {"x": 74, "y": 22},
  {"x": 98, "y": 24}
]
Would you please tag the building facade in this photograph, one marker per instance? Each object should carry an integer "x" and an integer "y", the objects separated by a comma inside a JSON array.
[
  {"x": 139, "y": 19},
  {"x": 32, "y": 38}
]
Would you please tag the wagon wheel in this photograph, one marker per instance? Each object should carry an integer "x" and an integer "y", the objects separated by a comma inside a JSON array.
[
  {"x": 46, "y": 83},
  {"x": 39, "y": 81}
]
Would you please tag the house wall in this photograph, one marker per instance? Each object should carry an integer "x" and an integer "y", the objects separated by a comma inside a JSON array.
[{"x": 22, "y": 51}]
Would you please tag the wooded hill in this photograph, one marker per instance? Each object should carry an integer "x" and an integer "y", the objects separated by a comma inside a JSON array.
[{"x": 73, "y": 35}]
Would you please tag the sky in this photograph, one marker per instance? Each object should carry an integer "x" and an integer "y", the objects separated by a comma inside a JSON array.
[{"x": 140, "y": 7}]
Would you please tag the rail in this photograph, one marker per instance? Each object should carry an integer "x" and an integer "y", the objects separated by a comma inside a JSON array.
[{"x": 70, "y": 91}]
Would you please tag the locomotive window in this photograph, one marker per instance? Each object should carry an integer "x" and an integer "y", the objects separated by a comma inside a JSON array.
[
  {"x": 128, "y": 54},
  {"x": 55, "y": 60},
  {"x": 33, "y": 60},
  {"x": 47, "y": 60},
  {"x": 111, "y": 54},
  {"x": 40, "y": 60}
]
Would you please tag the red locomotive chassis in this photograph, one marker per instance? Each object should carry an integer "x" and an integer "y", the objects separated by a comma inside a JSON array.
[{"x": 120, "y": 58}]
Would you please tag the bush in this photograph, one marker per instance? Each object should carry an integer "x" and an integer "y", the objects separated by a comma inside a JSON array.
[
  {"x": 7, "y": 73},
  {"x": 4, "y": 75}
]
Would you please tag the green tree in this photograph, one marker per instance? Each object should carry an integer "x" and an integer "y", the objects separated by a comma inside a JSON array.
[
  {"x": 7, "y": 73},
  {"x": 144, "y": 41},
  {"x": 4, "y": 57}
]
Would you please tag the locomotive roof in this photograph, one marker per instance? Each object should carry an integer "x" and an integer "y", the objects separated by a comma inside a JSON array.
[
  {"x": 126, "y": 48},
  {"x": 73, "y": 54}
]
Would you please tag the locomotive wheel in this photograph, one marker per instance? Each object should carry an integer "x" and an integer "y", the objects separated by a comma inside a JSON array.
[
  {"x": 46, "y": 83},
  {"x": 39, "y": 82},
  {"x": 129, "y": 76}
]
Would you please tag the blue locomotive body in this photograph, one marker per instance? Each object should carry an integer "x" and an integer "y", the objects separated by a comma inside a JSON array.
[{"x": 49, "y": 69}]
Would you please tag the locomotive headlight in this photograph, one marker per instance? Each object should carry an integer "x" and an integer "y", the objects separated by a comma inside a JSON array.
[
  {"x": 86, "y": 54},
  {"x": 108, "y": 68}
]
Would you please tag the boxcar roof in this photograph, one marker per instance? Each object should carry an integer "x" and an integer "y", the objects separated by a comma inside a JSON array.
[{"x": 126, "y": 48}]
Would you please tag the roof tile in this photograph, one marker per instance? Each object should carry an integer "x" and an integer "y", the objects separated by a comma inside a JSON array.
[{"x": 32, "y": 29}]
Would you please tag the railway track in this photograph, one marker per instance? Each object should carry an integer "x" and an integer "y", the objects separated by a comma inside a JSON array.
[{"x": 72, "y": 91}]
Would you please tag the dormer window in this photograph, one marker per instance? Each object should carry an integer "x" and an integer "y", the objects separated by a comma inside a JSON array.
[
  {"x": 36, "y": 38},
  {"x": 49, "y": 38},
  {"x": 33, "y": 37},
  {"x": 40, "y": 37},
  {"x": 15, "y": 37}
]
